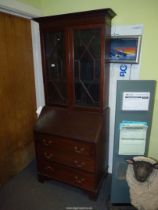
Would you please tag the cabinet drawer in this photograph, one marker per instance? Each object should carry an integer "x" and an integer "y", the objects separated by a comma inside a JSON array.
[
  {"x": 69, "y": 159},
  {"x": 67, "y": 145},
  {"x": 68, "y": 175}
]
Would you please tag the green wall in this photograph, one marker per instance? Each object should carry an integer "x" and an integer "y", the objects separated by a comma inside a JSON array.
[
  {"x": 34, "y": 3},
  {"x": 128, "y": 12}
]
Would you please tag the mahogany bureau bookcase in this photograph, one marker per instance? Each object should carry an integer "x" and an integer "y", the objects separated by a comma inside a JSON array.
[{"x": 71, "y": 134}]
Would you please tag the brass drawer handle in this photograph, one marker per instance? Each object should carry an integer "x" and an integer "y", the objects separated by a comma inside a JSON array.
[
  {"x": 49, "y": 168},
  {"x": 79, "y": 150},
  {"x": 79, "y": 164},
  {"x": 79, "y": 180},
  {"x": 48, "y": 155},
  {"x": 47, "y": 142}
]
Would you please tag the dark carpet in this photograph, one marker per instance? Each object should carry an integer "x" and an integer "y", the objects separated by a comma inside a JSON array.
[{"x": 24, "y": 192}]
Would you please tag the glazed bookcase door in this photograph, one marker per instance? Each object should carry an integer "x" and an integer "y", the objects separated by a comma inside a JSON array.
[
  {"x": 87, "y": 65},
  {"x": 55, "y": 72}
]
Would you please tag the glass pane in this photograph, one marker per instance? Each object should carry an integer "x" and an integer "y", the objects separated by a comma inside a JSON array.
[
  {"x": 55, "y": 68},
  {"x": 87, "y": 52}
]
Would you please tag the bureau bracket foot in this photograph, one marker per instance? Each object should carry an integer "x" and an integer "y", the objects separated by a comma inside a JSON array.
[
  {"x": 40, "y": 179},
  {"x": 93, "y": 195}
]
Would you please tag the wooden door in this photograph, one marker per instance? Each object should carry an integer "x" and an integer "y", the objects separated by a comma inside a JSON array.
[
  {"x": 55, "y": 68},
  {"x": 87, "y": 66},
  {"x": 17, "y": 95}
]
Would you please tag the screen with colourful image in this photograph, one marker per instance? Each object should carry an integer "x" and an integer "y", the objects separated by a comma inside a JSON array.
[{"x": 124, "y": 49}]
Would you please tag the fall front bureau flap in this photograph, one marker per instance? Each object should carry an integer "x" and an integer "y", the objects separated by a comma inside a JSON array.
[{"x": 86, "y": 126}]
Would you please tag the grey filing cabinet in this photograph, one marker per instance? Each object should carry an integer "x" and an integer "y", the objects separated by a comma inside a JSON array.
[{"x": 137, "y": 113}]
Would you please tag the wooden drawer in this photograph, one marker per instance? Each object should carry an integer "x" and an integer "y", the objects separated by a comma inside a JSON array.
[
  {"x": 68, "y": 175},
  {"x": 69, "y": 159},
  {"x": 66, "y": 145}
]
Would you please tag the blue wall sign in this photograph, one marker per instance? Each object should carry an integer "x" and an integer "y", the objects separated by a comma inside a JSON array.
[{"x": 123, "y": 69}]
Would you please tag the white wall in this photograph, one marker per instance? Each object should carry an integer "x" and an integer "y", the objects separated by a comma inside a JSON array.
[
  {"x": 132, "y": 73},
  {"x": 18, "y": 8},
  {"x": 40, "y": 99}
]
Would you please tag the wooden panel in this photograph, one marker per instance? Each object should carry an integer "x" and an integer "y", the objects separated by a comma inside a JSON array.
[{"x": 17, "y": 95}]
